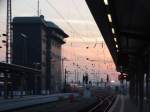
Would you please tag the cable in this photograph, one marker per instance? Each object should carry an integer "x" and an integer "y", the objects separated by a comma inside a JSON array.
[
  {"x": 68, "y": 23},
  {"x": 81, "y": 15},
  {"x": 78, "y": 11}
]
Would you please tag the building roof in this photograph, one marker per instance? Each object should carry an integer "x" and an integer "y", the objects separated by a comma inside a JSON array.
[
  {"x": 5, "y": 67},
  {"x": 52, "y": 25},
  {"x": 39, "y": 20},
  {"x": 57, "y": 28},
  {"x": 25, "y": 20}
]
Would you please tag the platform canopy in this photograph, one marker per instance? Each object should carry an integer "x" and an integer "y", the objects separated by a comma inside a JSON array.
[
  {"x": 125, "y": 26},
  {"x": 10, "y": 68}
]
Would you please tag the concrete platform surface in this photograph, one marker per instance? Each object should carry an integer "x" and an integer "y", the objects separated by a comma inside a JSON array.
[
  {"x": 123, "y": 104},
  {"x": 11, "y": 104},
  {"x": 62, "y": 106}
]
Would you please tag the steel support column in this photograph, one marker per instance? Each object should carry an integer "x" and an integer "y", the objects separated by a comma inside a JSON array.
[
  {"x": 132, "y": 87},
  {"x": 22, "y": 85},
  {"x": 137, "y": 88},
  {"x": 6, "y": 85},
  {"x": 148, "y": 82},
  {"x": 12, "y": 86},
  {"x": 141, "y": 82},
  {"x": 35, "y": 85}
]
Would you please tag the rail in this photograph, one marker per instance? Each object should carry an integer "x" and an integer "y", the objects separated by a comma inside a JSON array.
[{"x": 104, "y": 105}]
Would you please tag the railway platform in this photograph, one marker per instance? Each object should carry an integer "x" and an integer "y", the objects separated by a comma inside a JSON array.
[
  {"x": 124, "y": 104},
  {"x": 28, "y": 101}
]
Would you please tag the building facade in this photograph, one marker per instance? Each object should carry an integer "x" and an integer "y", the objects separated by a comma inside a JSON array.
[{"x": 37, "y": 44}]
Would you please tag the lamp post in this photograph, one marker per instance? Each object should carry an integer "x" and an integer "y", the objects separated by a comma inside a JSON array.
[
  {"x": 65, "y": 77},
  {"x": 64, "y": 68},
  {"x": 77, "y": 74},
  {"x": 93, "y": 65}
]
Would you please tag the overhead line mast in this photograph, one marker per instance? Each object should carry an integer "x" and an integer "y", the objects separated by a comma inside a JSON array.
[
  {"x": 38, "y": 8},
  {"x": 9, "y": 33}
]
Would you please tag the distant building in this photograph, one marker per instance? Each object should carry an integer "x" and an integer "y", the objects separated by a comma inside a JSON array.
[{"x": 37, "y": 44}]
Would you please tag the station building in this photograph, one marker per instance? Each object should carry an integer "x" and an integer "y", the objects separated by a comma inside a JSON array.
[{"x": 37, "y": 44}]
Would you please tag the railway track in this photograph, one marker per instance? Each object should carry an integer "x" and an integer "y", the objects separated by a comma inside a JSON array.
[{"x": 103, "y": 104}]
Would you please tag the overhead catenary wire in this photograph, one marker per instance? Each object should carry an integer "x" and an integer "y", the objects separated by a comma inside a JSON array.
[
  {"x": 62, "y": 17},
  {"x": 68, "y": 23},
  {"x": 81, "y": 15},
  {"x": 28, "y": 5}
]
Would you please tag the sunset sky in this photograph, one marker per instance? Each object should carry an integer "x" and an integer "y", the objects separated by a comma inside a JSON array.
[{"x": 74, "y": 17}]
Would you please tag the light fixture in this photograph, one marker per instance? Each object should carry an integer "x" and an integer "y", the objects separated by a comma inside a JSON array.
[
  {"x": 113, "y": 30},
  {"x": 116, "y": 46},
  {"x": 109, "y": 18},
  {"x": 106, "y": 2},
  {"x": 115, "y": 39},
  {"x": 112, "y": 81}
]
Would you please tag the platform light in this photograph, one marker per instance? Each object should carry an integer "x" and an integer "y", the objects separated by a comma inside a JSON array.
[
  {"x": 112, "y": 81},
  {"x": 109, "y": 18},
  {"x": 106, "y": 2},
  {"x": 116, "y": 46},
  {"x": 115, "y": 39},
  {"x": 113, "y": 30}
]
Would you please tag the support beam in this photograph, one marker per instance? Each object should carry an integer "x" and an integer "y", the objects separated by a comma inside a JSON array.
[
  {"x": 148, "y": 81},
  {"x": 9, "y": 33},
  {"x": 134, "y": 35},
  {"x": 5, "y": 86},
  {"x": 141, "y": 82},
  {"x": 137, "y": 89}
]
